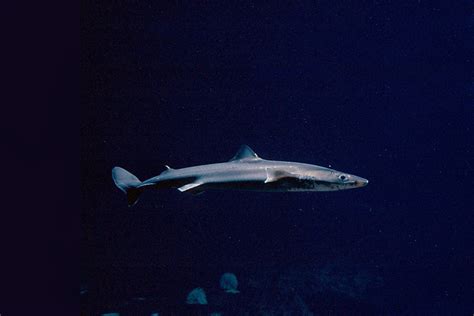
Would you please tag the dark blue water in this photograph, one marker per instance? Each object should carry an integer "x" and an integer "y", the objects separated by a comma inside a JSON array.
[{"x": 381, "y": 90}]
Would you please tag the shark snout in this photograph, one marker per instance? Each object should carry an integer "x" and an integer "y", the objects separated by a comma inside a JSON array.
[{"x": 361, "y": 182}]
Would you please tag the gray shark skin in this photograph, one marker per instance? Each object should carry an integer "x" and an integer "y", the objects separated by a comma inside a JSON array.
[{"x": 245, "y": 171}]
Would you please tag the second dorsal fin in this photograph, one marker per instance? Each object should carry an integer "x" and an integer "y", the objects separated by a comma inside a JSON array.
[
  {"x": 244, "y": 153},
  {"x": 168, "y": 169}
]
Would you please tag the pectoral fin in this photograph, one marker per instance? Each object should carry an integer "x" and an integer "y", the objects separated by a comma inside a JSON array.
[{"x": 275, "y": 175}]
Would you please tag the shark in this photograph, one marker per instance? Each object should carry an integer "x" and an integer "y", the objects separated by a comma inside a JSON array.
[{"x": 245, "y": 171}]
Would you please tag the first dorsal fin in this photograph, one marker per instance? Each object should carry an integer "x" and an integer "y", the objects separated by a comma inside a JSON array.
[{"x": 245, "y": 152}]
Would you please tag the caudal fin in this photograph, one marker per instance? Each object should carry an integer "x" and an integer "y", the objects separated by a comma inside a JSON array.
[{"x": 128, "y": 183}]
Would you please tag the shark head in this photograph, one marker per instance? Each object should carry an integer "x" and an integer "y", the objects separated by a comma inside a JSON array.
[
  {"x": 337, "y": 180},
  {"x": 333, "y": 180},
  {"x": 316, "y": 178}
]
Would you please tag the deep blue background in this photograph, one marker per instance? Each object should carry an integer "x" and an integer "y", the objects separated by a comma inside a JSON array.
[
  {"x": 40, "y": 216},
  {"x": 381, "y": 90}
]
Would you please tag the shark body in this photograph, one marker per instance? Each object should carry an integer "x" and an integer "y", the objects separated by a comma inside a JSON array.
[{"x": 245, "y": 171}]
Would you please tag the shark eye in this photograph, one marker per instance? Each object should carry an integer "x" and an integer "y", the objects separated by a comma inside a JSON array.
[{"x": 342, "y": 177}]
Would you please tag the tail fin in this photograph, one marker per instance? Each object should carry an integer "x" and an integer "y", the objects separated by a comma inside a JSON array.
[{"x": 128, "y": 183}]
